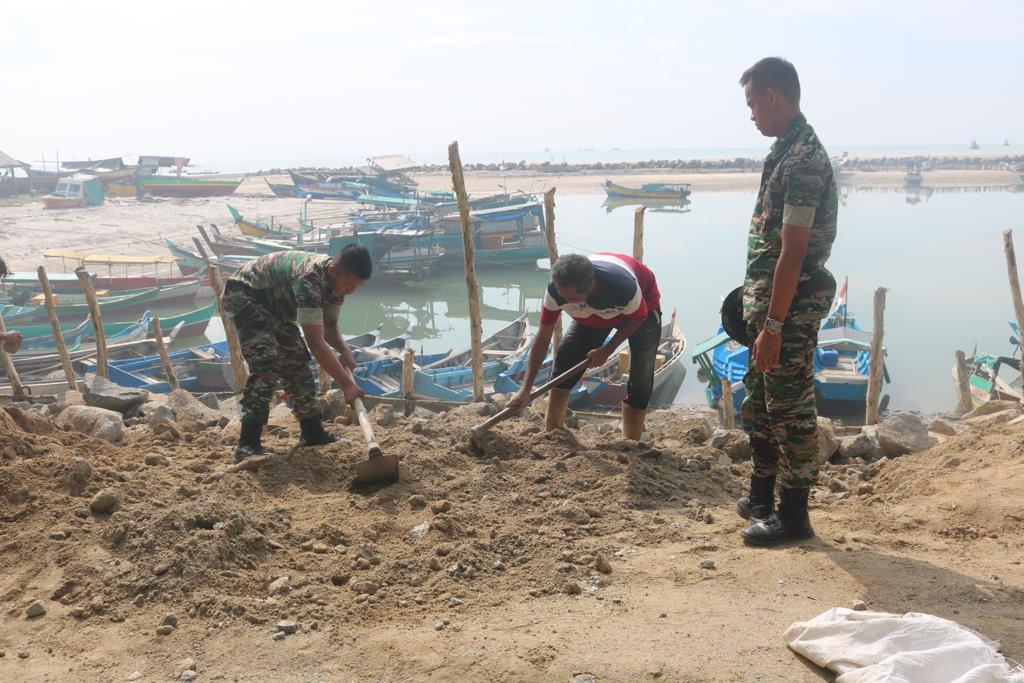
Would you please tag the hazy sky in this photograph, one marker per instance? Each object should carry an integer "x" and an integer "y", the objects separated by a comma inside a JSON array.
[{"x": 289, "y": 81}]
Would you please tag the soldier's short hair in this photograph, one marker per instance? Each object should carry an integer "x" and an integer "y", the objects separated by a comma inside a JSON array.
[
  {"x": 573, "y": 270},
  {"x": 775, "y": 73},
  {"x": 355, "y": 259}
]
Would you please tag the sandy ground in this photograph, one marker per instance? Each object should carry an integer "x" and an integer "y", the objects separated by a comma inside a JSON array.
[
  {"x": 125, "y": 226},
  {"x": 484, "y": 594}
]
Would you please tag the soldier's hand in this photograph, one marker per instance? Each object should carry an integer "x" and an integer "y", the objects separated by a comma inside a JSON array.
[
  {"x": 352, "y": 392},
  {"x": 766, "y": 351},
  {"x": 347, "y": 359},
  {"x": 521, "y": 399}
]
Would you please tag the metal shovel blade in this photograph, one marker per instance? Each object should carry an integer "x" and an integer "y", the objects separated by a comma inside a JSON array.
[{"x": 377, "y": 468}]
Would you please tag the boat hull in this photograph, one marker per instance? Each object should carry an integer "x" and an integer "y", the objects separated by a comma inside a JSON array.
[{"x": 161, "y": 186}]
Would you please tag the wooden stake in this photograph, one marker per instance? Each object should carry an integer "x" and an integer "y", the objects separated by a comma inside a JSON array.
[
  {"x": 1011, "y": 270},
  {"x": 409, "y": 380},
  {"x": 877, "y": 358},
  {"x": 963, "y": 385},
  {"x": 728, "y": 411},
  {"x": 58, "y": 336},
  {"x": 475, "y": 328},
  {"x": 158, "y": 337},
  {"x": 17, "y": 390},
  {"x": 97, "y": 321},
  {"x": 234, "y": 348},
  {"x": 549, "y": 219},
  {"x": 638, "y": 233}
]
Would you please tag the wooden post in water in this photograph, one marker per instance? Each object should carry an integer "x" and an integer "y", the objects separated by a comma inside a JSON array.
[
  {"x": 1011, "y": 269},
  {"x": 234, "y": 348},
  {"x": 58, "y": 336},
  {"x": 963, "y": 385},
  {"x": 17, "y": 390},
  {"x": 638, "y": 233},
  {"x": 409, "y": 380},
  {"x": 475, "y": 328},
  {"x": 728, "y": 411},
  {"x": 549, "y": 220},
  {"x": 877, "y": 358},
  {"x": 97, "y": 321},
  {"x": 158, "y": 337}
]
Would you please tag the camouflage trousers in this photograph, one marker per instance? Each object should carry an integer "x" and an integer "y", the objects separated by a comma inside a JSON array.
[
  {"x": 275, "y": 351},
  {"x": 779, "y": 413}
]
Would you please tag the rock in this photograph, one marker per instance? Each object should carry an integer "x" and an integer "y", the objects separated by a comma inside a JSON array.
[
  {"x": 859, "y": 605},
  {"x": 499, "y": 566},
  {"x": 209, "y": 400},
  {"x": 170, "y": 619},
  {"x": 164, "y": 630},
  {"x": 156, "y": 460},
  {"x": 384, "y": 415},
  {"x": 104, "y": 502},
  {"x": 35, "y": 609},
  {"x": 77, "y": 474},
  {"x": 439, "y": 506},
  {"x": 864, "y": 489},
  {"x": 135, "y": 675},
  {"x": 187, "y": 406},
  {"x": 280, "y": 586},
  {"x": 901, "y": 433},
  {"x": 367, "y": 587},
  {"x": 60, "y": 535},
  {"x": 707, "y": 564},
  {"x": 734, "y": 442},
  {"x": 230, "y": 407},
  {"x": 992, "y": 419},
  {"x": 187, "y": 664},
  {"x": 279, "y": 635},
  {"x": 943, "y": 427},
  {"x": 992, "y": 407},
  {"x": 439, "y": 626},
  {"x": 827, "y": 443},
  {"x": 417, "y": 502},
  {"x": 583, "y": 678},
  {"x": 187, "y": 675},
  {"x": 68, "y": 398},
  {"x": 697, "y": 429},
  {"x": 571, "y": 588},
  {"x": 29, "y": 421},
  {"x": 161, "y": 414},
  {"x": 333, "y": 402},
  {"x": 97, "y": 422},
  {"x": 573, "y": 511},
  {"x": 288, "y": 627},
  {"x": 857, "y": 446},
  {"x": 102, "y": 393},
  {"x": 602, "y": 564},
  {"x": 420, "y": 530}
]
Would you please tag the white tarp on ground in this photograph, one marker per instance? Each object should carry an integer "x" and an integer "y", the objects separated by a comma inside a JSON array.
[{"x": 867, "y": 647}]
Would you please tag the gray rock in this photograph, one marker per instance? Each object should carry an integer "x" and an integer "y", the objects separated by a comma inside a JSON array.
[
  {"x": 334, "y": 404},
  {"x": 572, "y": 588},
  {"x": 602, "y": 564},
  {"x": 707, "y": 564},
  {"x": 101, "y": 393},
  {"x": 944, "y": 427},
  {"x": 160, "y": 414},
  {"x": 417, "y": 501},
  {"x": 858, "y": 446},
  {"x": 584, "y": 678},
  {"x": 993, "y": 419},
  {"x": 77, "y": 474},
  {"x": 104, "y": 502},
  {"x": 280, "y": 586},
  {"x": 827, "y": 443},
  {"x": 734, "y": 442},
  {"x": 35, "y": 609},
  {"x": 98, "y": 422},
  {"x": 992, "y": 407},
  {"x": 164, "y": 630},
  {"x": 901, "y": 433},
  {"x": 384, "y": 415},
  {"x": 185, "y": 405},
  {"x": 859, "y": 605},
  {"x": 210, "y": 401},
  {"x": 279, "y": 635},
  {"x": 365, "y": 587},
  {"x": 170, "y": 619},
  {"x": 695, "y": 429},
  {"x": 230, "y": 407},
  {"x": 187, "y": 675},
  {"x": 156, "y": 460},
  {"x": 288, "y": 627}
]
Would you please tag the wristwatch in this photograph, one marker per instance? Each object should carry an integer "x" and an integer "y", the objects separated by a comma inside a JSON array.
[{"x": 773, "y": 326}]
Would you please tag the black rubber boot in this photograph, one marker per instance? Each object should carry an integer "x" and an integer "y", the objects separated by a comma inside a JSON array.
[
  {"x": 249, "y": 441},
  {"x": 313, "y": 433},
  {"x": 760, "y": 502},
  {"x": 789, "y": 523}
]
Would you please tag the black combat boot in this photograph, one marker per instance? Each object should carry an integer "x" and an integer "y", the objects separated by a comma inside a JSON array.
[
  {"x": 789, "y": 523},
  {"x": 313, "y": 433},
  {"x": 249, "y": 440},
  {"x": 760, "y": 502}
]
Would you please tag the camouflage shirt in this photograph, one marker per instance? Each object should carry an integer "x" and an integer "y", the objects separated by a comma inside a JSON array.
[
  {"x": 797, "y": 188},
  {"x": 295, "y": 283}
]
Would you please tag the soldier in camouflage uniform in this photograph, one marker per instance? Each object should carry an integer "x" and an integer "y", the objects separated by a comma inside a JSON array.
[
  {"x": 268, "y": 300},
  {"x": 786, "y": 293}
]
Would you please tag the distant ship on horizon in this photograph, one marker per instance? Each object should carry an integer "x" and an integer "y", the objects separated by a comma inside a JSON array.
[{"x": 974, "y": 144}]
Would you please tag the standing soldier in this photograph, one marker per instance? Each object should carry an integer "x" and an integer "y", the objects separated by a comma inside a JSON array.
[
  {"x": 786, "y": 293},
  {"x": 604, "y": 292},
  {"x": 268, "y": 300}
]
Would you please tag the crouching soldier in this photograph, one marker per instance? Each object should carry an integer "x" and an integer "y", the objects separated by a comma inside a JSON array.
[
  {"x": 600, "y": 293},
  {"x": 268, "y": 300}
]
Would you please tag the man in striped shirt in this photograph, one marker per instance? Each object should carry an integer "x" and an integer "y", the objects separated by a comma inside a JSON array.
[{"x": 602, "y": 293}]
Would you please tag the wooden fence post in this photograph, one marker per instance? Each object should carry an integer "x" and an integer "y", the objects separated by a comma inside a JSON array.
[
  {"x": 965, "y": 404},
  {"x": 158, "y": 337},
  {"x": 58, "y": 336},
  {"x": 97, "y": 321},
  {"x": 728, "y": 411},
  {"x": 1011, "y": 270},
  {"x": 234, "y": 348},
  {"x": 638, "y": 233},
  {"x": 877, "y": 358},
  {"x": 475, "y": 328},
  {"x": 17, "y": 390},
  {"x": 409, "y": 380},
  {"x": 549, "y": 220}
]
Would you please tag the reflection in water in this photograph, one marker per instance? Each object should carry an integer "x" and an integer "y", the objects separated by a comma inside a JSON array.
[{"x": 655, "y": 205}]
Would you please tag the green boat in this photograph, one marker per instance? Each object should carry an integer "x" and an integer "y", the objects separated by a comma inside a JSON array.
[
  {"x": 116, "y": 305},
  {"x": 195, "y": 323}
]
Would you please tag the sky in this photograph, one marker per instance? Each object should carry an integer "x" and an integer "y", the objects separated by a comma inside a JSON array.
[{"x": 263, "y": 83}]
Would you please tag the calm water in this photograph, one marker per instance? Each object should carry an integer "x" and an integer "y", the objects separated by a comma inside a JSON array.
[{"x": 941, "y": 259}]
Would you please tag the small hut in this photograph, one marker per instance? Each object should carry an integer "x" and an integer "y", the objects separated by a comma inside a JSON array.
[{"x": 9, "y": 185}]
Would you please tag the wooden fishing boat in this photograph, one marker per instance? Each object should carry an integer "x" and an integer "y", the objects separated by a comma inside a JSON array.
[
  {"x": 75, "y": 192},
  {"x": 193, "y": 324},
  {"x": 148, "y": 373},
  {"x": 130, "y": 342},
  {"x": 649, "y": 190},
  {"x": 178, "y": 186},
  {"x": 191, "y": 262},
  {"x": 652, "y": 205},
  {"x": 255, "y": 228},
  {"x": 912, "y": 180},
  {"x": 605, "y": 387},
  {"x": 283, "y": 190},
  {"x": 115, "y": 305},
  {"x": 986, "y": 384}
]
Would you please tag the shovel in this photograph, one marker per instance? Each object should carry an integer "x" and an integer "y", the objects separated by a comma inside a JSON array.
[
  {"x": 377, "y": 467},
  {"x": 476, "y": 434}
]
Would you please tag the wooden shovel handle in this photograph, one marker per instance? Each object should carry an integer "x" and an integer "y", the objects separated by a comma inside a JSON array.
[
  {"x": 372, "y": 448},
  {"x": 539, "y": 391}
]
